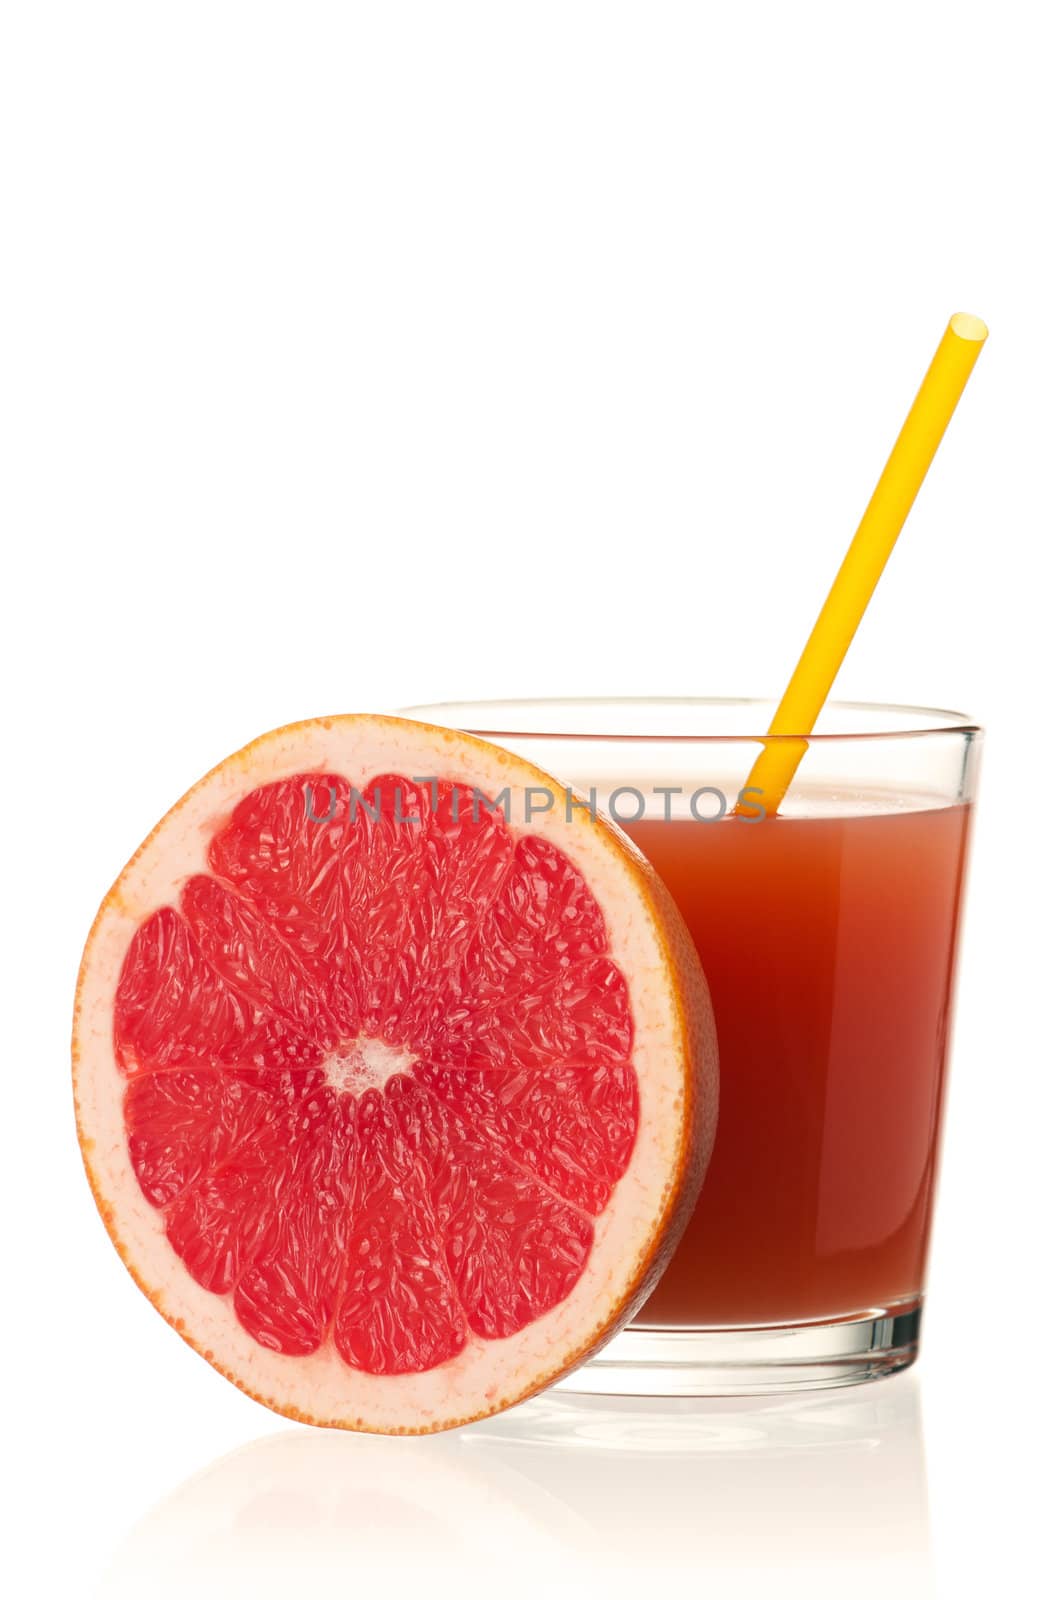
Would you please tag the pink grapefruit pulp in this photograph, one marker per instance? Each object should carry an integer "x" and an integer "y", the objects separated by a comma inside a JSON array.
[{"x": 394, "y": 1107}]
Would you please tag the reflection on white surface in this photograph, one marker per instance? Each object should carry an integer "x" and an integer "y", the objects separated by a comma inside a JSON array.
[{"x": 822, "y": 1494}]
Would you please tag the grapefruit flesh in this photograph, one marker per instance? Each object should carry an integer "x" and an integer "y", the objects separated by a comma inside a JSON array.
[{"x": 392, "y": 1105}]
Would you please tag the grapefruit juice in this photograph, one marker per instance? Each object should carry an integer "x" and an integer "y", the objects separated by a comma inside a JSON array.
[{"x": 828, "y": 942}]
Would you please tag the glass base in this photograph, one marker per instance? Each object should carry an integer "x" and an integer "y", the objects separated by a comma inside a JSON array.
[{"x": 764, "y": 1360}]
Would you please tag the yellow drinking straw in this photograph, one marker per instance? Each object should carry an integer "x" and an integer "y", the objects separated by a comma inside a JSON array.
[{"x": 865, "y": 560}]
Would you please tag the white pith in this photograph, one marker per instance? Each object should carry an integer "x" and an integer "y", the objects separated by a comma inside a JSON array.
[
  {"x": 487, "y": 1373},
  {"x": 361, "y": 1064}
]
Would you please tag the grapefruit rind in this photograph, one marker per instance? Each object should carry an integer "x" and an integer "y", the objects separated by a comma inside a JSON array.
[{"x": 674, "y": 1055}]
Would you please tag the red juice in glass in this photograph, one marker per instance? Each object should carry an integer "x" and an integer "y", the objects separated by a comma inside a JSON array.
[{"x": 828, "y": 943}]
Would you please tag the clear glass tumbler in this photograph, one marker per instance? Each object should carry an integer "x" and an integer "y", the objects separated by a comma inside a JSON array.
[{"x": 828, "y": 935}]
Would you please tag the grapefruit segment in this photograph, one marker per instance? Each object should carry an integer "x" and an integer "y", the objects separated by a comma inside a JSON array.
[
  {"x": 573, "y": 1127},
  {"x": 392, "y": 1104}
]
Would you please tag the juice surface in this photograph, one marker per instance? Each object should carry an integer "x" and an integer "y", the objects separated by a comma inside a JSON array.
[{"x": 829, "y": 945}]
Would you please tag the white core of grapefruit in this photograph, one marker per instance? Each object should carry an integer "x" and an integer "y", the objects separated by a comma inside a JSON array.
[{"x": 674, "y": 1055}]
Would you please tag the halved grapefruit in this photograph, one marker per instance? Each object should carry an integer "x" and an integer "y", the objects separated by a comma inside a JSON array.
[{"x": 392, "y": 1106}]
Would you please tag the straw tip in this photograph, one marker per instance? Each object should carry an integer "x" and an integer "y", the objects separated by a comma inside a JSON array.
[{"x": 968, "y": 327}]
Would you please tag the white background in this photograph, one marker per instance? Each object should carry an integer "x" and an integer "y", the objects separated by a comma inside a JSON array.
[{"x": 356, "y": 355}]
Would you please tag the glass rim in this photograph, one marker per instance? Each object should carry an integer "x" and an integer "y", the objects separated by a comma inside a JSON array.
[{"x": 480, "y": 724}]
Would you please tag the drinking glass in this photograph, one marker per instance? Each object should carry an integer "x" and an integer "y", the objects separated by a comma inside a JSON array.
[{"x": 828, "y": 935}]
